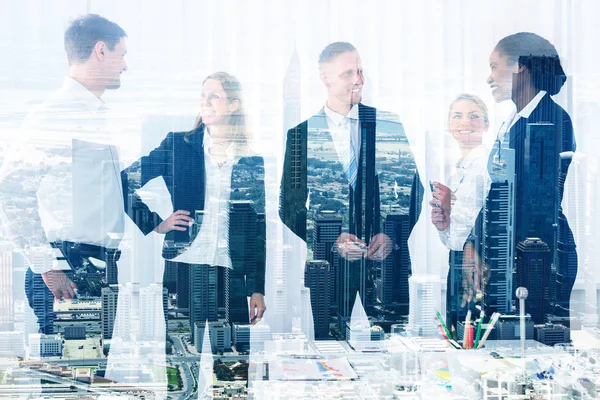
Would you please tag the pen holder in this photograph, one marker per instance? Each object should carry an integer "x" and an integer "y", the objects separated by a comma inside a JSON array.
[{"x": 469, "y": 334}]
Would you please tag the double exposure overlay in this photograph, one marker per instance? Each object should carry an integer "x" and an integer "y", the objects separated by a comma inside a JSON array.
[{"x": 299, "y": 199}]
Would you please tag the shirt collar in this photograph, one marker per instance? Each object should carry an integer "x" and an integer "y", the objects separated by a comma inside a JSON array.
[
  {"x": 207, "y": 143},
  {"x": 528, "y": 109},
  {"x": 477, "y": 152},
  {"x": 338, "y": 118},
  {"x": 76, "y": 90}
]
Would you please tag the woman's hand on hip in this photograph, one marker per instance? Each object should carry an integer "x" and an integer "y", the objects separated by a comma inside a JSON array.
[{"x": 180, "y": 220}]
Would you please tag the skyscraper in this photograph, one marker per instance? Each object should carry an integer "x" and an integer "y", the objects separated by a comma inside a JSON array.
[
  {"x": 316, "y": 277},
  {"x": 42, "y": 299},
  {"x": 426, "y": 288},
  {"x": 243, "y": 234},
  {"x": 327, "y": 229},
  {"x": 396, "y": 267},
  {"x": 110, "y": 296},
  {"x": 153, "y": 311},
  {"x": 533, "y": 272},
  {"x": 351, "y": 280},
  {"x": 498, "y": 233},
  {"x": 183, "y": 285},
  {"x": 7, "y": 316},
  {"x": 112, "y": 272},
  {"x": 203, "y": 293}
]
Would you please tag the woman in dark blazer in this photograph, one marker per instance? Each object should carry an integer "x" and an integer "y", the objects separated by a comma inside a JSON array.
[
  {"x": 216, "y": 185},
  {"x": 527, "y": 70}
]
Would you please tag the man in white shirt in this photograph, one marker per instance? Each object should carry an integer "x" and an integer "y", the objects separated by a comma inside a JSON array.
[{"x": 62, "y": 191}]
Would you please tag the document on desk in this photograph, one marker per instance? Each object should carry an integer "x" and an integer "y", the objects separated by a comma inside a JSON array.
[{"x": 310, "y": 369}]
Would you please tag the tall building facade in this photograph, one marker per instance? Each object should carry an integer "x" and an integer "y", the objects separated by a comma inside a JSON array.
[
  {"x": 153, "y": 311},
  {"x": 7, "y": 310},
  {"x": 110, "y": 296},
  {"x": 498, "y": 233},
  {"x": 327, "y": 228},
  {"x": 351, "y": 282},
  {"x": 426, "y": 288},
  {"x": 534, "y": 259},
  {"x": 316, "y": 278},
  {"x": 41, "y": 299},
  {"x": 203, "y": 281},
  {"x": 243, "y": 235},
  {"x": 396, "y": 267}
]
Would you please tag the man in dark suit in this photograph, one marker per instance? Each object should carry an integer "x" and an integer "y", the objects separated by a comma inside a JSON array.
[{"x": 354, "y": 161}]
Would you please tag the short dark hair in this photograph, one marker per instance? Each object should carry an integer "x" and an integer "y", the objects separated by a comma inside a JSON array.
[
  {"x": 333, "y": 50},
  {"x": 539, "y": 56},
  {"x": 85, "y": 31}
]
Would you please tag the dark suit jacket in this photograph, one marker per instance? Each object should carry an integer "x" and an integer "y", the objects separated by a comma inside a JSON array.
[
  {"x": 310, "y": 142},
  {"x": 181, "y": 164},
  {"x": 539, "y": 185}
]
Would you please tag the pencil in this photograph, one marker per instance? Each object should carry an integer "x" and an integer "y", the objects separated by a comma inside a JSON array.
[
  {"x": 491, "y": 324},
  {"x": 466, "y": 334},
  {"x": 439, "y": 325},
  {"x": 439, "y": 317}
]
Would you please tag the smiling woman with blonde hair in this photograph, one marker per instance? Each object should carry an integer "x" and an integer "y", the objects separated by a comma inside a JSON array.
[
  {"x": 466, "y": 189},
  {"x": 208, "y": 170}
]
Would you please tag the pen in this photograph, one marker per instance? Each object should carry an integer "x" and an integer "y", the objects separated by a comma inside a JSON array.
[
  {"x": 491, "y": 324},
  {"x": 478, "y": 334}
]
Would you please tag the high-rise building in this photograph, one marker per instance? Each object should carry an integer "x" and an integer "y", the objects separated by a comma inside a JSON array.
[
  {"x": 111, "y": 272},
  {"x": 533, "y": 272},
  {"x": 498, "y": 233},
  {"x": 170, "y": 276},
  {"x": 351, "y": 280},
  {"x": 203, "y": 294},
  {"x": 110, "y": 297},
  {"x": 292, "y": 93},
  {"x": 316, "y": 278},
  {"x": 243, "y": 236},
  {"x": 42, "y": 299},
  {"x": 7, "y": 310},
  {"x": 396, "y": 267},
  {"x": 183, "y": 285},
  {"x": 307, "y": 325},
  {"x": 279, "y": 315},
  {"x": 327, "y": 229},
  {"x": 427, "y": 289},
  {"x": 153, "y": 311}
]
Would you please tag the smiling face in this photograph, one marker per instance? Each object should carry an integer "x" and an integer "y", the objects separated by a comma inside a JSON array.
[
  {"x": 215, "y": 106},
  {"x": 467, "y": 123},
  {"x": 501, "y": 76},
  {"x": 114, "y": 64},
  {"x": 343, "y": 77}
]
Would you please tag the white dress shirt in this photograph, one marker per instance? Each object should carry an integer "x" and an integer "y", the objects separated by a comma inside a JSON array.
[
  {"x": 470, "y": 184},
  {"x": 344, "y": 130},
  {"x": 472, "y": 172},
  {"x": 524, "y": 113},
  {"x": 211, "y": 244},
  {"x": 68, "y": 161}
]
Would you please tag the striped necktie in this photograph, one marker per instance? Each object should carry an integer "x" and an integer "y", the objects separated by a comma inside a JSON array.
[{"x": 351, "y": 165}]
